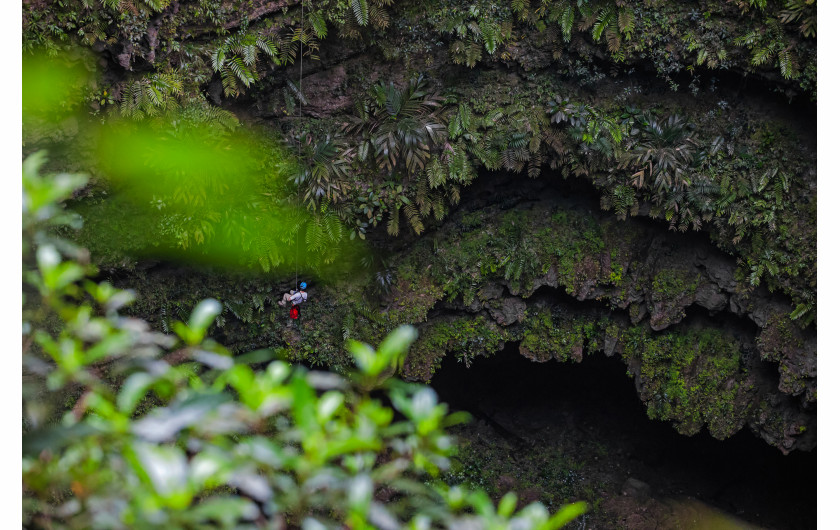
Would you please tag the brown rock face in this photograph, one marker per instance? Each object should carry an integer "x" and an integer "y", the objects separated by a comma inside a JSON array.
[
  {"x": 512, "y": 310},
  {"x": 678, "y": 285},
  {"x": 327, "y": 92}
]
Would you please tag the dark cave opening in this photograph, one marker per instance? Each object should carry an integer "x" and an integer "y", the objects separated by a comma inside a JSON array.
[
  {"x": 740, "y": 326},
  {"x": 596, "y": 399}
]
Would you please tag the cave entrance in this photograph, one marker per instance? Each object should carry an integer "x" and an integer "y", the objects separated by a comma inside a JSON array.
[{"x": 590, "y": 414}]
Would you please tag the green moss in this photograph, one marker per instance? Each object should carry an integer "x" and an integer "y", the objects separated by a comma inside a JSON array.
[
  {"x": 636, "y": 311},
  {"x": 672, "y": 290},
  {"x": 691, "y": 378},
  {"x": 466, "y": 337},
  {"x": 782, "y": 342},
  {"x": 670, "y": 284},
  {"x": 777, "y": 338},
  {"x": 515, "y": 246},
  {"x": 413, "y": 295},
  {"x": 548, "y": 335}
]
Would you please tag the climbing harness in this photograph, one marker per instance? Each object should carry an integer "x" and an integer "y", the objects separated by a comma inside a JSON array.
[{"x": 295, "y": 297}]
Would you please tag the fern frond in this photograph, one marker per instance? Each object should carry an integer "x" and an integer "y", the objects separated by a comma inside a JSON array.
[
  {"x": 439, "y": 207},
  {"x": 218, "y": 59},
  {"x": 334, "y": 228},
  {"x": 626, "y": 21},
  {"x": 241, "y": 71},
  {"x": 604, "y": 19},
  {"x": 421, "y": 198},
  {"x": 316, "y": 237},
  {"x": 249, "y": 54},
  {"x": 490, "y": 35},
  {"x": 319, "y": 26},
  {"x": 229, "y": 83},
  {"x": 379, "y": 16},
  {"x": 534, "y": 168},
  {"x": 761, "y": 55},
  {"x": 567, "y": 19},
  {"x": 413, "y": 217},
  {"x": 394, "y": 223},
  {"x": 787, "y": 64},
  {"x": 267, "y": 46},
  {"x": 360, "y": 10},
  {"x": 454, "y": 195},
  {"x": 613, "y": 38}
]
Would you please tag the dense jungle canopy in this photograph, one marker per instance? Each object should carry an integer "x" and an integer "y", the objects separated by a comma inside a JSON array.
[{"x": 559, "y": 178}]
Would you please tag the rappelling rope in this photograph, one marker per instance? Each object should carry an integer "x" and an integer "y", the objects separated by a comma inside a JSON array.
[{"x": 300, "y": 139}]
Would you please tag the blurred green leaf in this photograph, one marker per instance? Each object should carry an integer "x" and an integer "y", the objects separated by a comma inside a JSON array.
[
  {"x": 51, "y": 87},
  {"x": 56, "y": 438},
  {"x": 397, "y": 342},
  {"x": 565, "y": 515},
  {"x": 360, "y": 493},
  {"x": 164, "y": 423},
  {"x": 204, "y": 314},
  {"x": 226, "y": 511},
  {"x": 41, "y": 194},
  {"x": 167, "y": 469},
  {"x": 133, "y": 390},
  {"x": 328, "y": 405},
  {"x": 507, "y": 505}
]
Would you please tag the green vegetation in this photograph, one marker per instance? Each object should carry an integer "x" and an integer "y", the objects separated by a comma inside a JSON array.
[
  {"x": 516, "y": 246},
  {"x": 690, "y": 378},
  {"x": 469, "y": 337},
  {"x": 396, "y": 130},
  {"x": 411, "y": 146},
  {"x": 235, "y": 146},
  {"x": 124, "y": 426},
  {"x": 544, "y": 471},
  {"x": 547, "y": 336},
  {"x": 671, "y": 289}
]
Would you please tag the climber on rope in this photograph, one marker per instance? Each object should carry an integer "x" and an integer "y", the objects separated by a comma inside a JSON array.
[{"x": 296, "y": 297}]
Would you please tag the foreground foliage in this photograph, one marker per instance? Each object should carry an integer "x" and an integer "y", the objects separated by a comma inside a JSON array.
[{"x": 118, "y": 433}]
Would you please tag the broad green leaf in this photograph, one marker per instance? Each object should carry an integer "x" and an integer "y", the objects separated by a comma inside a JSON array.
[
  {"x": 204, "y": 314},
  {"x": 507, "y": 505},
  {"x": 328, "y": 405},
  {"x": 48, "y": 258},
  {"x": 133, "y": 390},
  {"x": 164, "y": 423},
  {"x": 397, "y": 342},
  {"x": 226, "y": 511},
  {"x": 310, "y": 523},
  {"x": 167, "y": 469},
  {"x": 56, "y": 438},
  {"x": 117, "y": 342},
  {"x": 565, "y": 515},
  {"x": 303, "y": 405},
  {"x": 360, "y": 493},
  {"x": 252, "y": 484},
  {"x": 364, "y": 355}
]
